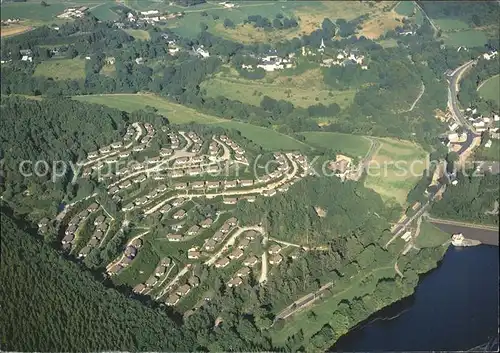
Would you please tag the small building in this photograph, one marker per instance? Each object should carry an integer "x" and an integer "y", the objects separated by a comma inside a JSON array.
[
  {"x": 251, "y": 234},
  {"x": 71, "y": 230},
  {"x": 218, "y": 236},
  {"x": 243, "y": 243},
  {"x": 180, "y": 186},
  {"x": 84, "y": 252},
  {"x": 174, "y": 237},
  {"x": 194, "y": 281},
  {"x": 230, "y": 184},
  {"x": 243, "y": 272},
  {"x": 172, "y": 299},
  {"x": 275, "y": 260},
  {"x": 207, "y": 223},
  {"x": 137, "y": 243},
  {"x": 115, "y": 269},
  {"x": 225, "y": 228},
  {"x": 183, "y": 290},
  {"x": 193, "y": 230},
  {"x": 93, "y": 207},
  {"x": 151, "y": 281},
  {"x": 221, "y": 263},
  {"x": 230, "y": 201},
  {"x": 274, "y": 249},
  {"x": 269, "y": 193},
  {"x": 160, "y": 270},
  {"x": 193, "y": 254},
  {"x": 198, "y": 185},
  {"x": 209, "y": 245},
  {"x": 68, "y": 239},
  {"x": 250, "y": 198},
  {"x": 232, "y": 221},
  {"x": 113, "y": 190},
  {"x": 235, "y": 282},
  {"x": 139, "y": 288},
  {"x": 165, "y": 208},
  {"x": 178, "y": 202},
  {"x": 251, "y": 261},
  {"x": 213, "y": 185},
  {"x": 246, "y": 182},
  {"x": 179, "y": 214},
  {"x": 130, "y": 251},
  {"x": 236, "y": 254},
  {"x": 43, "y": 222}
]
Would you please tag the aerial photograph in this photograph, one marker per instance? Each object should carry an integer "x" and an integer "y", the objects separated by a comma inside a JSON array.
[{"x": 249, "y": 176}]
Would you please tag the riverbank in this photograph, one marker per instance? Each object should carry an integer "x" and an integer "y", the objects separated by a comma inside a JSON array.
[{"x": 455, "y": 307}]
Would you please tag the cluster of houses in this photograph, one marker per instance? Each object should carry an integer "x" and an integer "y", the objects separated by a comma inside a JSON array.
[
  {"x": 26, "y": 55},
  {"x": 69, "y": 234},
  {"x": 238, "y": 251},
  {"x": 492, "y": 54},
  {"x": 128, "y": 256},
  {"x": 73, "y": 12},
  {"x": 218, "y": 237},
  {"x": 345, "y": 58},
  {"x": 100, "y": 230},
  {"x": 239, "y": 153},
  {"x": 159, "y": 271},
  {"x": 482, "y": 123},
  {"x": 180, "y": 214},
  {"x": 342, "y": 166},
  {"x": 182, "y": 291},
  {"x": 272, "y": 63},
  {"x": 201, "y": 51}
]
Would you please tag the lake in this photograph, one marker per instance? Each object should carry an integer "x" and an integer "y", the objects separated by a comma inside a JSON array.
[{"x": 454, "y": 307}]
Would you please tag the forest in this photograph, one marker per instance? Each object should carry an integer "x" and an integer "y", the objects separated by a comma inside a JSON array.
[{"x": 473, "y": 199}]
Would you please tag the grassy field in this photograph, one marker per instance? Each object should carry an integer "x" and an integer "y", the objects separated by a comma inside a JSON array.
[
  {"x": 61, "y": 69},
  {"x": 351, "y": 145},
  {"x": 138, "y": 34},
  {"x": 302, "y": 90},
  {"x": 430, "y": 236},
  {"x": 490, "y": 89},
  {"x": 468, "y": 38},
  {"x": 395, "y": 168},
  {"x": 33, "y": 14},
  {"x": 12, "y": 30},
  {"x": 450, "y": 24},
  {"x": 104, "y": 12},
  {"x": 405, "y": 8},
  {"x": 179, "y": 114}
]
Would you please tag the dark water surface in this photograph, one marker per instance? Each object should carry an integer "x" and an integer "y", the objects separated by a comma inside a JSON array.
[{"x": 455, "y": 307}]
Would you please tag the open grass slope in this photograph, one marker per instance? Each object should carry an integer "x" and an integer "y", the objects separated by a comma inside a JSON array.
[
  {"x": 303, "y": 90},
  {"x": 490, "y": 89},
  {"x": 431, "y": 236},
  {"x": 179, "y": 114},
  {"x": 138, "y": 34},
  {"x": 351, "y": 145},
  {"x": 61, "y": 69},
  {"x": 12, "y": 30},
  {"x": 395, "y": 169}
]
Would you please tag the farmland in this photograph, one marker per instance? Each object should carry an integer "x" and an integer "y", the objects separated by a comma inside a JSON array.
[
  {"x": 395, "y": 168},
  {"x": 311, "y": 14},
  {"x": 178, "y": 114},
  {"x": 468, "y": 38},
  {"x": 303, "y": 90},
  {"x": 490, "y": 89},
  {"x": 12, "y": 30},
  {"x": 351, "y": 145},
  {"x": 61, "y": 69}
]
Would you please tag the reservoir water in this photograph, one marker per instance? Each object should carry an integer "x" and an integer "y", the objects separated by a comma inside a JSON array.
[{"x": 454, "y": 307}]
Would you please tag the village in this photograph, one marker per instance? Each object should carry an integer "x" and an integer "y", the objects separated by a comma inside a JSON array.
[{"x": 168, "y": 187}]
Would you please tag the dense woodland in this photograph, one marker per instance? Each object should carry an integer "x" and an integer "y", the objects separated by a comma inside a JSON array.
[
  {"x": 474, "y": 13},
  {"x": 472, "y": 199}
]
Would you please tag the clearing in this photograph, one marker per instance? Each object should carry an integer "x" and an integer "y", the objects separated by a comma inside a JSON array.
[
  {"x": 351, "y": 145},
  {"x": 12, "y": 30},
  {"x": 447, "y": 25},
  {"x": 303, "y": 90},
  {"x": 490, "y": 89},
  {"x": 179, "y": 114},
  {"x": 395, "y": 168},
  {"x": 138, "y": 34},
  {"x": 61, "y": 69},
  {"x": 467, "y": 38}
]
